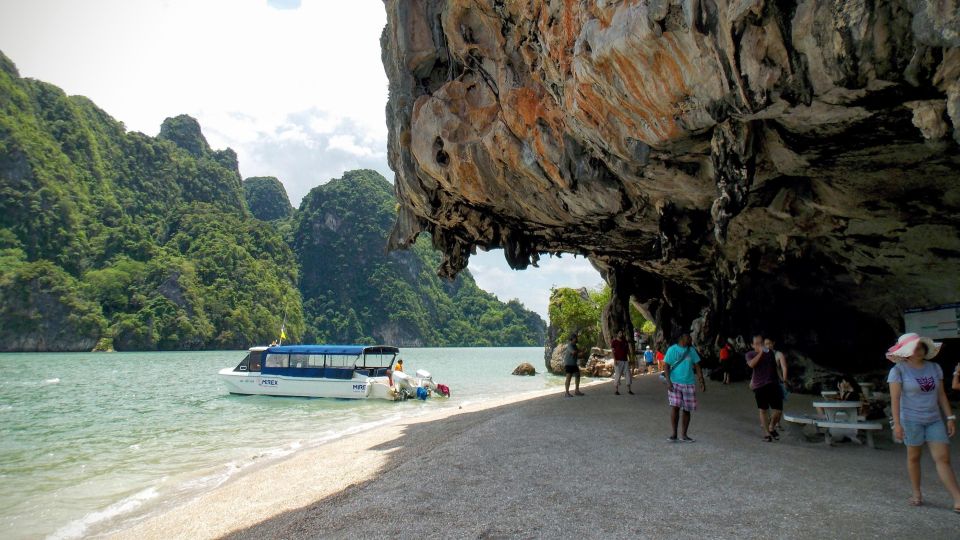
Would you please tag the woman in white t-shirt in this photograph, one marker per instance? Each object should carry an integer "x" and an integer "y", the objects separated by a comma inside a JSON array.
[{"x": 918, "y": 397}]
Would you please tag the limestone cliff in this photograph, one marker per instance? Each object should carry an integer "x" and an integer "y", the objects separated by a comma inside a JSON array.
[{"x": 732, "y": 165}]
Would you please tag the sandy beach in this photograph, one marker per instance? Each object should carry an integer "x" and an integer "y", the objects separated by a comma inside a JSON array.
[{"x": 550, "y": 466}]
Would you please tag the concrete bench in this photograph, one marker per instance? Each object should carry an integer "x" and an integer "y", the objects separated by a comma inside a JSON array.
[
  {"x": 853, "y": 427},
  {"x": 796, "y": 422}
]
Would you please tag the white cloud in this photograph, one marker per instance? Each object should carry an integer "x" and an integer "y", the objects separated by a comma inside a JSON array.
[
  {"x": 531, "y": 286},
  {"x": 348, "y": 145}
]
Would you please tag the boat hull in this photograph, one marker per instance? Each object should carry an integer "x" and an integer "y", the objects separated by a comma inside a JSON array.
[{"x": 255, "y": 383}]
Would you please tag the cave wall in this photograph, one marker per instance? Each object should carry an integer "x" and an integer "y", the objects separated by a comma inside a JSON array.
[{"x": 790, "y": 167}]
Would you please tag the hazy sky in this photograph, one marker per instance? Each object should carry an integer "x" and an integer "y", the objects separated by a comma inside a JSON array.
[{"x": 295, "y": 87}]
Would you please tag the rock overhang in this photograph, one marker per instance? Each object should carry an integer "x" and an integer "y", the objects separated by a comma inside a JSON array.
[{"x": 732, "y": 166}]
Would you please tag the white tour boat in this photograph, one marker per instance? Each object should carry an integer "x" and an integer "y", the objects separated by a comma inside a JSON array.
[{"x": 331, "y": 371}]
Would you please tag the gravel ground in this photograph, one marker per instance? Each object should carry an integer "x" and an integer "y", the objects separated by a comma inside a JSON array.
[{"x": 600, "y": 466}]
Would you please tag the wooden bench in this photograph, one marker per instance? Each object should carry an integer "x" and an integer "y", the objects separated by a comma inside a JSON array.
[{"x": 855, "y": 427}]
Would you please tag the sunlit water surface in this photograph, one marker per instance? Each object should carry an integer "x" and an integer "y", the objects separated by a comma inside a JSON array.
[{"x": 90, "y": 441}]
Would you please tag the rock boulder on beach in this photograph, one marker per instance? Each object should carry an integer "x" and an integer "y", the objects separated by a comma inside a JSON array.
[{"x": 525, "y": 369}]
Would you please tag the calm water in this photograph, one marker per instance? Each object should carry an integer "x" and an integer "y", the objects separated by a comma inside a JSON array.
[{"x": 89, "y": 441}]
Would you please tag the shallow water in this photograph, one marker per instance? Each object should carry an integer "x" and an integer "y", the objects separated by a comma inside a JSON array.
[{"x": 90, "y": 440}]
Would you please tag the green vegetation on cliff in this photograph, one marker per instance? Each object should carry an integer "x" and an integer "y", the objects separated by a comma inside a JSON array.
[
  {"x": 354, "y": 291},
  {"x": 580, "y": 311},
  {"x": 105, "y": 233},
  {"x": 266, "y": 198},
  {"x": 146, "y": 243}
]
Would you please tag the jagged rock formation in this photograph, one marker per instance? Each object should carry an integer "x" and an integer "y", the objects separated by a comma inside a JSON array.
[
  {"x": 733, "y": 165},
  {"x": 354, "y": 292}
]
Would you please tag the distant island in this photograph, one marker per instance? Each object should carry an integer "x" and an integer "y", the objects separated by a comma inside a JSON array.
[{"x": 117, "y": 240}]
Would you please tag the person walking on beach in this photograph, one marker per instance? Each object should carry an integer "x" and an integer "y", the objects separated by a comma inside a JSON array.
[
  {"x": 621, "y": 364},
  {"x": 570, "y": 366},
  {"x": 682, "y": 373},
  {"x": 725, "y": 362},
  {"x": 917, "y": 397},
  {"x": 766, "y": 387}
]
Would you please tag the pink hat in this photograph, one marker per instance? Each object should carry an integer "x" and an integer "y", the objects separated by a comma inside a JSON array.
[{"x": 908, "y": 343}]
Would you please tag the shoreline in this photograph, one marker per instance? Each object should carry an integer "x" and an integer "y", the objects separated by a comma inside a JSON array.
[{"x": 290, "y": 482}]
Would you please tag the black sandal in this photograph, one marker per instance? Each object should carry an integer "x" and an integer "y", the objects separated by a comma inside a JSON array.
[
  {"x": 775, "y": 435},
  {"x": 768, "y": 438}
]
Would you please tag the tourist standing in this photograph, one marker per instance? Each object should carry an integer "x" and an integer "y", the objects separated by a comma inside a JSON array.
[
  {"x": 918, "y": 398},
  {"x": 766, "y": 387},
  {"x": 648, "y": 359},
  {"x": 781, "y": 362},
  {"x": 621, "y": 363},
  {"x": 571, "y": 367},
  {"x": 659, "y": 357},
  {"x": 682, "y": 372},
  {"x": 725, "y": 362}
]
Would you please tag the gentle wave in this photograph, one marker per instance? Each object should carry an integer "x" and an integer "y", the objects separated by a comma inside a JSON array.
[
  {"x": 119, "y": 515},
  {"x": 77, "y": 528}
]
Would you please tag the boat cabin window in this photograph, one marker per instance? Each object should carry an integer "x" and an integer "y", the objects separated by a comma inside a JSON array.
[
  {"x": 299, "y": 360},
  {"x": 339, "y": 360},
  {"x": 251, "y": 362},
  {"x": 316, "y": 360},
  {"x": 277, "y": 360},
  {"x": 378, "y": 360}
]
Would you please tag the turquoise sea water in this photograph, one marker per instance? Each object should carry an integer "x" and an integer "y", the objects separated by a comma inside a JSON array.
[{"x": 91, "y": 441}]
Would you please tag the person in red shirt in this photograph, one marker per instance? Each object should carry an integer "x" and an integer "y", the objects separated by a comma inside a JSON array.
[
  {"x": 725, "y": 362},
  {"x": 660, "y": 361},
  {"x": 621, "y": 362}
]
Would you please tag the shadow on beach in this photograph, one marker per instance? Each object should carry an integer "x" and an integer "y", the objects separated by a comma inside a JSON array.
[{"x": 600, "y": 465}]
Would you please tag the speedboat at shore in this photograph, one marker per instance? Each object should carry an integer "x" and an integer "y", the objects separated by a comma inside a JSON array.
[{"x": 330, "y": 371}]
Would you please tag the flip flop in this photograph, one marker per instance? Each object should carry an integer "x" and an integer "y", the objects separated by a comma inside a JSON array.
[
  {"x": 768, "y": 438},
  {"x": 918, "y": 501},
  {"x": 672, "y": 439},
  {"x": 579, "y": 394},
  {"x": 775, "y": 435},
  {"x": 687, "y": 440}
]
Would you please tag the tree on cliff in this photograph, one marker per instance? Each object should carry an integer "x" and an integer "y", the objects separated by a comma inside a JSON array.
[{"x": 266, "y": 198}]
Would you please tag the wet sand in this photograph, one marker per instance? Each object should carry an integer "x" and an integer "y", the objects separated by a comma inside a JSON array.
[{"x": 591, "y": 466}]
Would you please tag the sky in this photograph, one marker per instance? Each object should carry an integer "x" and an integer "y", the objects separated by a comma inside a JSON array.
[{"x": 295, "y": 87}]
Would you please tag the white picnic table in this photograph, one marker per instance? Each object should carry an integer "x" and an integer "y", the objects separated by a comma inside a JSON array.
[{"x": 843, "y": 420}]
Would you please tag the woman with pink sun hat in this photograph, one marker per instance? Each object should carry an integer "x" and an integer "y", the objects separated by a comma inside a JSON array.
[{"x": 918, "y": 397}]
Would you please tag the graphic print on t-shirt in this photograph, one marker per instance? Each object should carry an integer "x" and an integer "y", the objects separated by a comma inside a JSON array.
[{"x": 927, "y": 384}]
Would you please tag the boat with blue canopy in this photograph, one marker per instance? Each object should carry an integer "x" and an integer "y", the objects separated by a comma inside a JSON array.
[{"x": 332, "y": 371}]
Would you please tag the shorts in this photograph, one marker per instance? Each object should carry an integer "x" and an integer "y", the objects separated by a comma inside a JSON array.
[
  {"x": 572, "y": 370},
  {"x": 769, "y": 396},
  {"x": 683, "y": 396},
  {"x": 917, "y": 433}
]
